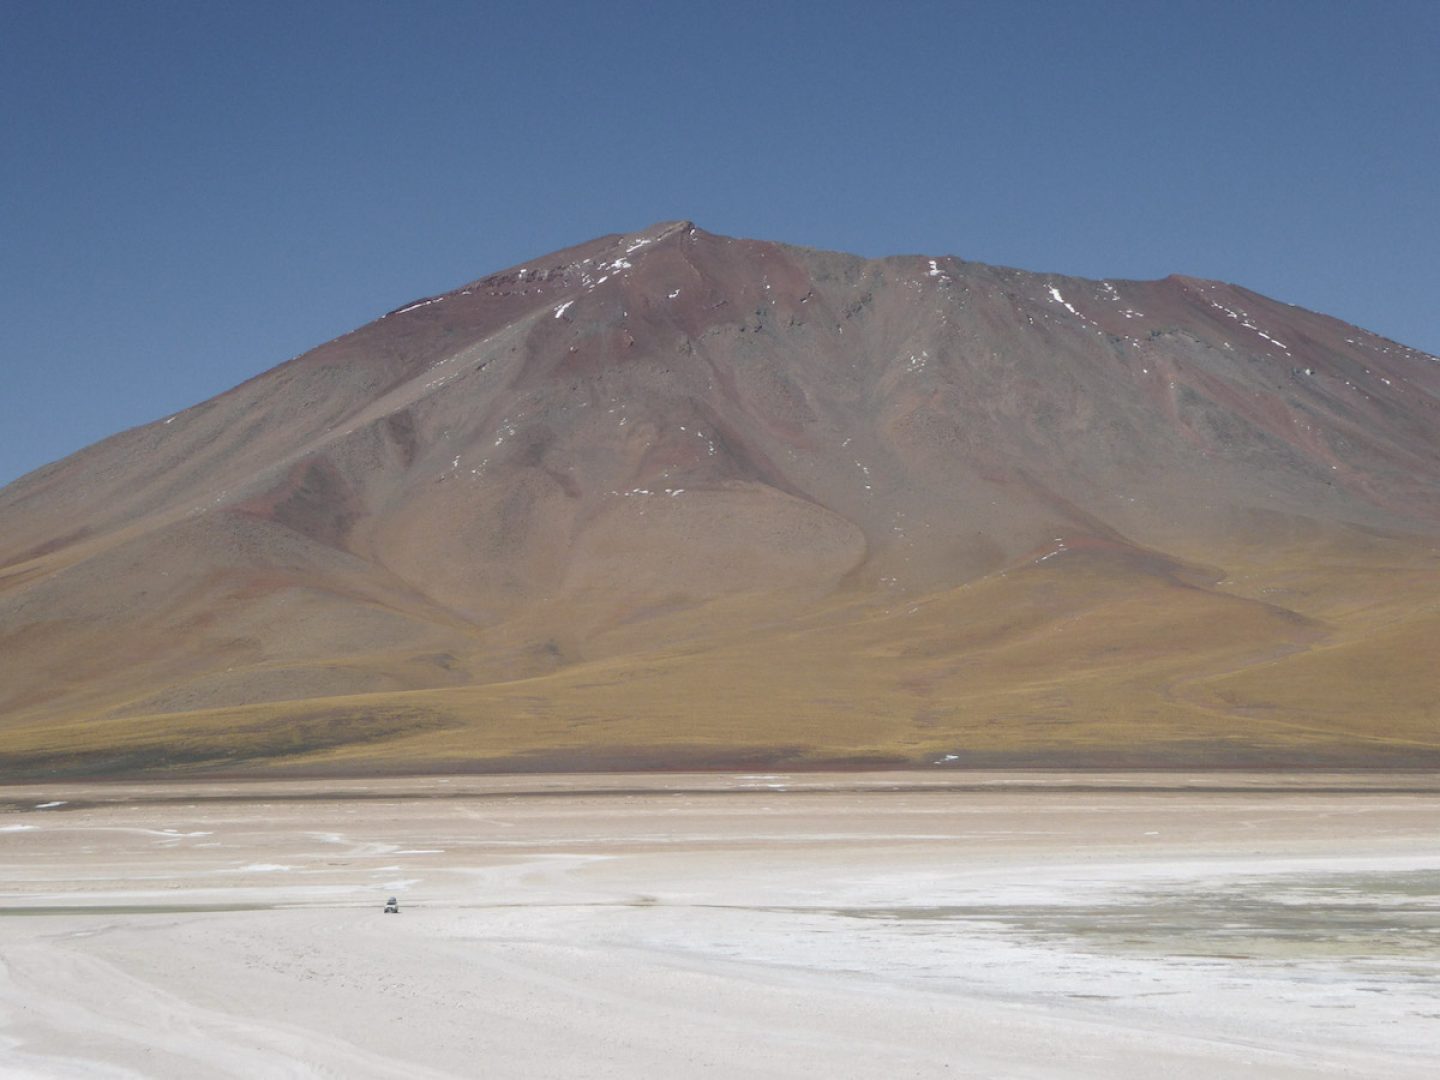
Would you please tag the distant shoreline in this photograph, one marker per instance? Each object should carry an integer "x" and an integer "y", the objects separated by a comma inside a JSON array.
[{"x": 82, "y": 794}]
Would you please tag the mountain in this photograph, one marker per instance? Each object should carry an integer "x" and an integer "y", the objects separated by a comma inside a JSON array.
[{"x": 672, "y": 499}]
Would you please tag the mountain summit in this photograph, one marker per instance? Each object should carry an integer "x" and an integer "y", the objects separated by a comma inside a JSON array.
[{"x": 672, "y": 499}]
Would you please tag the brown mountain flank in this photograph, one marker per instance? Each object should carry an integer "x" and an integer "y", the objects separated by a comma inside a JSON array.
[{"x": 672, "y": 499}]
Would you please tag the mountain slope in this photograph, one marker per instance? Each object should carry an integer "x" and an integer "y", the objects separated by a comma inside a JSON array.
[{"x": 674, "y": 498}]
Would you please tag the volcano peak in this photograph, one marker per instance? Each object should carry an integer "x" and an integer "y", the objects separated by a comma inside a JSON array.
[{"x": 668, "y": 496}]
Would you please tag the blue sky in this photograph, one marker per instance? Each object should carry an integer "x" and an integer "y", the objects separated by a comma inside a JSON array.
[{"x": 193, "y": 192}]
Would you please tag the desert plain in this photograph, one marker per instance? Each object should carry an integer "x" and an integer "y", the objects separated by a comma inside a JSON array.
[{"x": 727, "y": 925}]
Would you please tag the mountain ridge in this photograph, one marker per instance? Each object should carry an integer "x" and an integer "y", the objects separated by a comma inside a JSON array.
[{"x": 665, "y": 440}]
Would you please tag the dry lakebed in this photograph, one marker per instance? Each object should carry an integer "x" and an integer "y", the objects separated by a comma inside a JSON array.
[{"x": 935, "y": 924}]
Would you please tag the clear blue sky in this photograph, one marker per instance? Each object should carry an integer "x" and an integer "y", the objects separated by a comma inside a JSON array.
[{"x": 192, "y": 192}]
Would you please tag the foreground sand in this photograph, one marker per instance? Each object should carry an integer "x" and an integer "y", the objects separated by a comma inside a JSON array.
[{"x": 724, "y": 926}]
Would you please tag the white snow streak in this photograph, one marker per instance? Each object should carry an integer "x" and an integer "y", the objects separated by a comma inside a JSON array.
[
  {"x": 418, "y": 304},
  {"x": 1055, "y": 295}
]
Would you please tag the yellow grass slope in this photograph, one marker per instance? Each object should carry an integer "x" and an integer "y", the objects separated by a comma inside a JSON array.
[{"x": 1090, "y": 658}]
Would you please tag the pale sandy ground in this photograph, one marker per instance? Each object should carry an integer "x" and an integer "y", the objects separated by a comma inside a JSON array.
[{"x": 724, "y": 926}]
